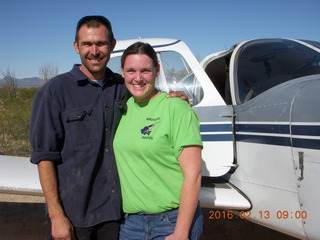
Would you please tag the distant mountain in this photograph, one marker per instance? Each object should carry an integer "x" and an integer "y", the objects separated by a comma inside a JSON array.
[{"x": 26, "y": 82}]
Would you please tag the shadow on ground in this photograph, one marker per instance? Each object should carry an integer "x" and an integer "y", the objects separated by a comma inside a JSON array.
[{"x": 26, "y": 221}]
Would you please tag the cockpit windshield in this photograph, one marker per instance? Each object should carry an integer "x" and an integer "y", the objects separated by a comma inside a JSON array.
[{"x": 261, "y": 66}]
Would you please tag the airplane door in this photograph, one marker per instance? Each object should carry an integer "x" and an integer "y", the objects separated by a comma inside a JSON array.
[
  {"x": 217, "y": 118},
  {"x": 216, "y": 131}
]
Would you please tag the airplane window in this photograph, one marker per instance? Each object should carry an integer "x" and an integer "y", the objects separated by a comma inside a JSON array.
[
  {"x": 175, "y": 75},
  {"x": 261, "y": 66},
  {"x": 179, "y": 76},
  {"x": 115, "y": 64}
]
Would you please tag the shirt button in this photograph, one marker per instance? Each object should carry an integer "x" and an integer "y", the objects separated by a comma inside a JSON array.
[
  {"x": 106, "y": 150},
  {"x": 109, "y": 171},
  {"x": 106, "y": 129},
  {"x": 113, "y": 191},
  {"x": 107, "y": 108}
]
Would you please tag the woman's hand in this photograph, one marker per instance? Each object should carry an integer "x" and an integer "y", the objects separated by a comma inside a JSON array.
[{"x": 173, "y": 237}]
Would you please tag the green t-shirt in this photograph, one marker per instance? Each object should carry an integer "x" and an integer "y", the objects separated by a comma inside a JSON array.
[{"x": 147, "y": 144}]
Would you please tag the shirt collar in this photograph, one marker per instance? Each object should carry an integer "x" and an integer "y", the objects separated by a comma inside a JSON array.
[{"x": 79, "y": 76}]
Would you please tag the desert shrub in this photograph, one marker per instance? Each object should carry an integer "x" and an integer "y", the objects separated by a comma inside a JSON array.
[{"x": 15, "y": 115}]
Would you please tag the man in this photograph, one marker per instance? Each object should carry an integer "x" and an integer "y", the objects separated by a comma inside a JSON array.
[
  {"x": 72, "y": 127},
  {"x": 73, "y": 122}
]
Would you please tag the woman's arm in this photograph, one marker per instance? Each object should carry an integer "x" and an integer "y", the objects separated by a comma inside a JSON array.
[{"x": 190, "y": 163}]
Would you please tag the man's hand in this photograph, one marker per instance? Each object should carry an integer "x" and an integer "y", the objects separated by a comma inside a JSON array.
[
  {"x": 62, "y": 229},
  {"x": 179, "y": 94}
]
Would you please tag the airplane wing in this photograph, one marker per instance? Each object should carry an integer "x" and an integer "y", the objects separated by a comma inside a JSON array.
[{"x": 18, "y": 175}]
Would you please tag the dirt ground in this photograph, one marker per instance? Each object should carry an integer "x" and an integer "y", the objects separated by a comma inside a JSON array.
[{"x": 21, "y": 218}]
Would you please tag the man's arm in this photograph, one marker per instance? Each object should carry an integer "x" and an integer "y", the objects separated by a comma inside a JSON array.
[
  {"x": 190, "y": 163},
  {"x": 61, "y": 228}
]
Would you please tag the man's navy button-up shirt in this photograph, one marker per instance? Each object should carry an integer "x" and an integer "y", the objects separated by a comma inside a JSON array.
[{"x": 73, "y": 124}]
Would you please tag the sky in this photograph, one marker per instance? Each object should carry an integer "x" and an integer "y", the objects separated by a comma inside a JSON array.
[{"x": 38, "y": 32}]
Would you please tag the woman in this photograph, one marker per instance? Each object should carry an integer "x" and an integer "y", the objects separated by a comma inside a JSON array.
[{"x": 158, "y": 153}]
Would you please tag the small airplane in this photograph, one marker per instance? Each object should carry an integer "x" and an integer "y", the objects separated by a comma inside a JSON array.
[{"x": 260, "y": 125}]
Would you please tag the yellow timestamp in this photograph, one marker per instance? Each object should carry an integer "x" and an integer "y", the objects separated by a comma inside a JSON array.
[{"x": 280, "y": 214}]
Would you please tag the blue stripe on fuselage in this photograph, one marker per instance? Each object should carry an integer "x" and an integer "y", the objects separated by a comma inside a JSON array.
[{"x": 265, "y": 134}]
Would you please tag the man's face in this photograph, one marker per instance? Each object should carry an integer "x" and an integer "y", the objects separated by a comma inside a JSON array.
[{"x": 94, "y": 47}]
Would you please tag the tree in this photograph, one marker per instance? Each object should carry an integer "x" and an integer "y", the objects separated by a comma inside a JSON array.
[
  {"x": 10, "y": 83},
  {"x": 48, "y": 71}
]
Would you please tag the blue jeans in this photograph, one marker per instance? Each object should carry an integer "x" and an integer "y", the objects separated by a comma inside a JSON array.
[{"x": 144, "y": 226}]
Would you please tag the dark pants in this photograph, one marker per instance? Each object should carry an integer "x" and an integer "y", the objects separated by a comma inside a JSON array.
[{"x": 102, "y": 231}]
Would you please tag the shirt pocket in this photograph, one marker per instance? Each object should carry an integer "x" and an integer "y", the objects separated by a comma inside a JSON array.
[
  {"x": 80, "y": 126},
  {"x": 77, "y": 114}
]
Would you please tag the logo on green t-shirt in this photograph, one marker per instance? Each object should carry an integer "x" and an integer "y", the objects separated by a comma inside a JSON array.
[{"x": 147, "y": 129}]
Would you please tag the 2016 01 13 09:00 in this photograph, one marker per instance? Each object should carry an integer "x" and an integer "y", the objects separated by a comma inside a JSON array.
[{"x": 280, "y": 214}]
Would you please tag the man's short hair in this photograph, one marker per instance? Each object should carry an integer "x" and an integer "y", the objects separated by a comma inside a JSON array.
[{"x": 94, "y": 22}]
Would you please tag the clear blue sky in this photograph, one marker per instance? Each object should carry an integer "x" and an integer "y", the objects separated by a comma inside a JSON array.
[{"x": 34, "y": 32}]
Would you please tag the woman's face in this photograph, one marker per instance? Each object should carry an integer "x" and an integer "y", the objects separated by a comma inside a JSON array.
[{"x": 140, "y": 75}]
